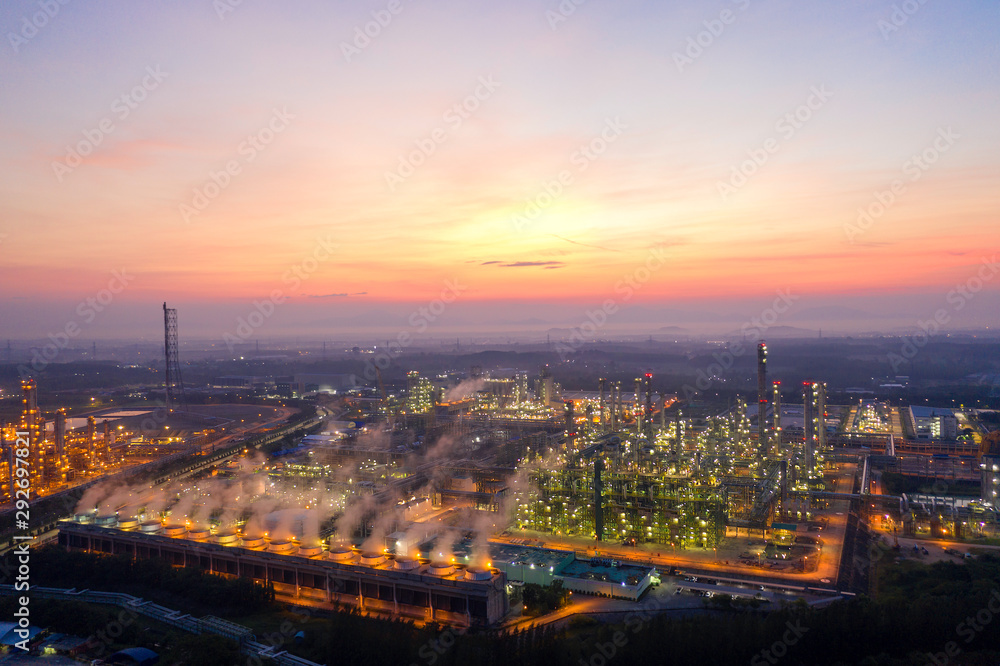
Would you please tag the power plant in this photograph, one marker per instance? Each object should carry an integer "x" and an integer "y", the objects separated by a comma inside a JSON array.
[
  {"x": 625, "y": 477},
  {"x": 371, "y": 514},
  {"x": 59, "y": 455},
  {"x": 66, "y": 450},
  {"x": 373, "y": 581}
]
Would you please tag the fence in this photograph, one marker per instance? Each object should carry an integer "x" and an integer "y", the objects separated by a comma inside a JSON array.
[{"x": 208, "y": 624}]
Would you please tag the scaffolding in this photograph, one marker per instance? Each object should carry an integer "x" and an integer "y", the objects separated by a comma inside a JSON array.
[{"x": 648, "y": 508}]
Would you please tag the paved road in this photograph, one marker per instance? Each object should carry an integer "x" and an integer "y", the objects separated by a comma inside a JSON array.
[{"x": 658, "y": 599}]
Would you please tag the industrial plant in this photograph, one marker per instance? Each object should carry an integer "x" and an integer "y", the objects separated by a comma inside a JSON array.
[
  {"x": 406, "y": 515},
  {"x": 65, "y": 450},
  {"x": 437, "y": 500}
]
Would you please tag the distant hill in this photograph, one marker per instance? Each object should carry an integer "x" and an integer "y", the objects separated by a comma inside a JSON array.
[
  {"x": 833, "y": 313},
  {"x": 532, "y": 321},
  {"x": 779, "y": 332}
]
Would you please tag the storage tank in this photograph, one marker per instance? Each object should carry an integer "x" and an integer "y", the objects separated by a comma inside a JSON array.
[
  {"x": 341, "y": 554},
  {"x": 150, "y": 527},
  {"x": 310, "y": 551},
  {"x": 441, "y": 569},
  {"x": 174, "y": 530},
  {"x": 404, "y": 563},
  {"x": 199, "y": 534},
  {"x": 283, "y": 547},
  {"x": 372, "y": 558},
  {"x": 478, "y": 573},
  {"x": 226, "y": 538},
  {"x": 254, "y": 542},
  {"x": 128, "y": 523},
  {"x": 107, "y": 519}
]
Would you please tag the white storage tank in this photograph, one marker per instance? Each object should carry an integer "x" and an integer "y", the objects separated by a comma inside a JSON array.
[
  {"x": 404, "y": 563},
  {"x": 150, "y": 527},
  {"x": 441, "y": 569},
  {"x": 341, "y": 554},
  {"x": 311, "y": 551},
  {"x": 372, "y": 558},
  {"x": 283, "y": 547},
  {"x": 128, "y": 523},
  {"x": 478, "y": 573},
  {"x": 226, "y": 538},
  {"x": 174, "y": 530},
  {"x": 198, "y": 534},
  {"x": 254, "y": 542}
]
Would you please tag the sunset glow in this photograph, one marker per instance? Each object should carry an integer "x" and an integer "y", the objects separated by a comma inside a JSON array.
[{"x": 532, "y": 158}]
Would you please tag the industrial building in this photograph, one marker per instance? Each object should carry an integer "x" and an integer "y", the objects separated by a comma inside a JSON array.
[
  {"x": 616, "y": 505},
  {"x": 625, "y": 472},
  {"x": 63, "y": 450},
  {"x": 931, "y": 423},
  {"x": 597, "y": 576},
  {"x": 990, "y": 466},
  {"x": 400, "y": 586},
  {"x": 56, "y": 457}
]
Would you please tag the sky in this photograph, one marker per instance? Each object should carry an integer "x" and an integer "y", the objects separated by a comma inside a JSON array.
[{"x": 342, "y": 165}]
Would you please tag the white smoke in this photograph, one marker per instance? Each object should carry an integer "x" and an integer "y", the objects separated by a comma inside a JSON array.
[{"x": 465, "y": 389}]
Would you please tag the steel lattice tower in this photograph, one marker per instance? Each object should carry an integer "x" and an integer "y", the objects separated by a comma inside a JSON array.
[
  {"x": 762, "y": 448},
  {"x": 174, "y": 384}
]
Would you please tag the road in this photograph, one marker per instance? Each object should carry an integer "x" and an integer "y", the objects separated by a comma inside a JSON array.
[{"x": 661, "y": 598}]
